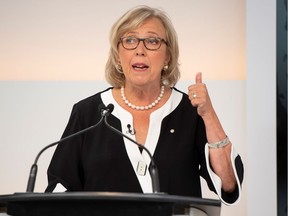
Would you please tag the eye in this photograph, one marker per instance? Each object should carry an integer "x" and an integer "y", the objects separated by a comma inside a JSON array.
[
  {"x": 153, "y": 41},
  {"x": 130, "y": 40}
]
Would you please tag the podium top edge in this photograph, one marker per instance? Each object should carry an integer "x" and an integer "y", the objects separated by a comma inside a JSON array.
[{"x": 108, "y": 196}]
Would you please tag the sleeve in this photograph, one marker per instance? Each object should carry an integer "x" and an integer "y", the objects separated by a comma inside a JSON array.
[
  {"x": 65, "y": 166},
  {"x": 227, "y": 198},
  {"x": 213, "y": 181}
]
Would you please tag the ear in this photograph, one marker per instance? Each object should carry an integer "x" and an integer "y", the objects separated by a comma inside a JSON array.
[
  {"x": 118, "y": 60},
  {"x": 167, "y": 59}
]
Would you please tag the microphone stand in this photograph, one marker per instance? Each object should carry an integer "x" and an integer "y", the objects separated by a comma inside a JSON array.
[
  {"x": 34, "y": 167},
  {"x": 153, "y": 169},
  {"x": 105, "y": 111}
]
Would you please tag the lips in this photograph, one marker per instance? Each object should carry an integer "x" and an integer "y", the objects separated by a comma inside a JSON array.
[{"x": 140, "y": 66}]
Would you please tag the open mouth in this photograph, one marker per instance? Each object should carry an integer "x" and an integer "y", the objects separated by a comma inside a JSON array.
[{"x": 140, "y": 66}]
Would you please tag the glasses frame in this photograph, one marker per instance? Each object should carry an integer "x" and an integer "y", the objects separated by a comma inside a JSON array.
[{"x": 161, "y": 40}]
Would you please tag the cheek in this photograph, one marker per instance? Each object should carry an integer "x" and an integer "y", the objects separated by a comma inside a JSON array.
[
  {"x": 159, "y": 60},
  {"x": 124, "y": 57}
]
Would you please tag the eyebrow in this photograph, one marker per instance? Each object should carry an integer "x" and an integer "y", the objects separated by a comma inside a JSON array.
[{"x": 150, "y": 32}]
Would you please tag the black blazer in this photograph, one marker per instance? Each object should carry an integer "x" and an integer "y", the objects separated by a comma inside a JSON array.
[{"x": 98, "y": 161}]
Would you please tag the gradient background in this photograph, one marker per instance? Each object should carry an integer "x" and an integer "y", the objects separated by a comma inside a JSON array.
[
  {"x": 68, "y": 40},
  {"x": 53, "y": 54}
]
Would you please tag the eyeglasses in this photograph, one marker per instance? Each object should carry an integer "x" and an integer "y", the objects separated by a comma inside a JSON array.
[{"x": 151, "y": 43}]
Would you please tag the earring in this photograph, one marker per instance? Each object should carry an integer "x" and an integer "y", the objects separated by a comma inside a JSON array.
[
  {"x": 119, "y": 68},
  {"x": 165, "y": 68}
]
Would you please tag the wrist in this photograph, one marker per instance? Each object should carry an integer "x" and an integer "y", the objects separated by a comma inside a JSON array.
[{"x": 219, "y": 144}]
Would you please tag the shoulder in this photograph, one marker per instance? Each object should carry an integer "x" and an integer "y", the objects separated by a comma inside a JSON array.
[
  {"x": 89, "y": 105},
  {"x": 185, "y": 99},
  {"x": 92, "y": 100}
]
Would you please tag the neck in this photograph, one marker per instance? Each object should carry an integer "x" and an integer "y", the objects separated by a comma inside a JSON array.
[{"x": 142, "y": 106}]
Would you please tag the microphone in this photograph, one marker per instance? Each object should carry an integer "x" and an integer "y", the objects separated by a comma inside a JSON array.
[
  {"x": 33, "y": 171},
  {"x": 130, "y": 130},
  {"x": 106, "y": 111},
  {"x": 153, "y": 169}
]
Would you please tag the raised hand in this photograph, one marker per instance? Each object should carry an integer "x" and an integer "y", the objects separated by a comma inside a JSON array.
[{"x": 199, "y": 97}]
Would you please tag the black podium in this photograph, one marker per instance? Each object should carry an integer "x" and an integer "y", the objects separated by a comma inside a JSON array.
[{"x": 104, "y": 204}]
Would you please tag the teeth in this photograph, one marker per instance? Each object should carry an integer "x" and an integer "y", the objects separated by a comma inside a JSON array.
[{"x": 138, "y": 66}]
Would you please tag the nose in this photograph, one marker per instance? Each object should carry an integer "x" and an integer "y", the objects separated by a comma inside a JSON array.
[{"x": 141, "y": 50}]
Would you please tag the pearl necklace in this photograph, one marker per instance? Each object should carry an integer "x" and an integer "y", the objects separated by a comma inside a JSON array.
[{"x": 142, "y": 107}]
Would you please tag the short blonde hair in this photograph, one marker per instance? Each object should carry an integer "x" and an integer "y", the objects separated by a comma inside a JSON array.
[{"x": 131, "y": 20}]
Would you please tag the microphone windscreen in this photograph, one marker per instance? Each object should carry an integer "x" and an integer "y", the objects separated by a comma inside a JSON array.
[{"x": 110, "y": 108}]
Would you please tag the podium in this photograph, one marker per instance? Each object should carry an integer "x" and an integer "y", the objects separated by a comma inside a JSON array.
[{"x": 104, "y": 204}]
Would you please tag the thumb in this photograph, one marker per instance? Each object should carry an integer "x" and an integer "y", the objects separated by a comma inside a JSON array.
[{"x": 198, "y": 77}]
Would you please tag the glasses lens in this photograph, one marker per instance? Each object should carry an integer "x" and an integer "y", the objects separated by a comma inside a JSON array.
[
  {"x": 152, "y": 43},
  {"x": 130, "y": 42}
]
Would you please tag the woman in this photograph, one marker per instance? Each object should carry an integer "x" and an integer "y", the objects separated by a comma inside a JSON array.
[{"x": 181, "y": 131}]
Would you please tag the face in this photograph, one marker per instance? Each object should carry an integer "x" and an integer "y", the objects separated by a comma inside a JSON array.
[{"x": 142, "y": 66}]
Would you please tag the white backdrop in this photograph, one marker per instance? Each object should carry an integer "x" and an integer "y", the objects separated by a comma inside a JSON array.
[{"x": 34, "y": 114}]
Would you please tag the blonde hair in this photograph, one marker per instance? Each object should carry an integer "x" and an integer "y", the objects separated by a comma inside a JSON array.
[{"x": 131, "y": 20}]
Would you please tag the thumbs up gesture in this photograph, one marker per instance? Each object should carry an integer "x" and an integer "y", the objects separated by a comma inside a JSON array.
[{"x": 199, "y": 97}]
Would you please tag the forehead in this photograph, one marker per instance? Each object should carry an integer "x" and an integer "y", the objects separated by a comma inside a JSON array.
[{"x": 152, "y": 25}]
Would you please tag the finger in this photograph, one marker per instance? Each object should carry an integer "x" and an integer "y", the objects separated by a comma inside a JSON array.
[
  {"x": 194, "y": 101},
  {"x": 198, "y": 77}
]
